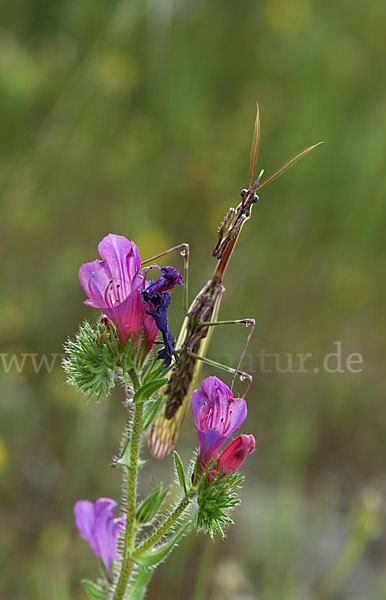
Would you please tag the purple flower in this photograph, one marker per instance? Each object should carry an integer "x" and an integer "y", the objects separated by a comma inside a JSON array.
[
  {"x": 98, "y": 527},
  {"x": 114, "y": 285},
  {"x": 117, "y": 286},
  {"x": 216, "y": 416}
]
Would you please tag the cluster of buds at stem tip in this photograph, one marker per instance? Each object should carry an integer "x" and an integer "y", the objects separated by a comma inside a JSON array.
[{"x": 117, "y": 285}]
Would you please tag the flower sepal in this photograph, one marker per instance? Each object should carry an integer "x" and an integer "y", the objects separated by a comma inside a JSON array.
[{"x": 134, "y": 351}]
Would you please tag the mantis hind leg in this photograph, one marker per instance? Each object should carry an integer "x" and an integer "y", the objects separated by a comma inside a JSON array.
[{"x": 235, "y": 371}]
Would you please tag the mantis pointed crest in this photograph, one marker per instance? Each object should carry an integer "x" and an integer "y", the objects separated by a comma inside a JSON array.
[{"x": 255, "y": 146}]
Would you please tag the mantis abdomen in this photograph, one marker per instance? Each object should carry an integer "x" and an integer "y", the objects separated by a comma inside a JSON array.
[{"x": 192, "y": 343}]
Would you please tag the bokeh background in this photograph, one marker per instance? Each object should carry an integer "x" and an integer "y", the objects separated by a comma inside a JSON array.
[{"x": 136, "y": 118}]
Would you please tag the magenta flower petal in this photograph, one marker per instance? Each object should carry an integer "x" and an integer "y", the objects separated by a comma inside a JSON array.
[
  {"x": 215, "y": 408},
  {"x": 109, "y": 281},
  {"x": 216, "y": 416},
  {"x": 232, "y": 457},
  {"x": 214, "y": 387},
  {"x": 123, "y": 261},
  {"x": 99, "y": 528},
  {"x": 114, "y": 285},
  {"x": 95, "y": 278},
  {"x": 129, "y": 316}
]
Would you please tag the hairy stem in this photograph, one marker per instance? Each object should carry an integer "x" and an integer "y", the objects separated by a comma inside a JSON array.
[
  {"x": 172, "y": 518},
  {"x": 127, "y": 563}
]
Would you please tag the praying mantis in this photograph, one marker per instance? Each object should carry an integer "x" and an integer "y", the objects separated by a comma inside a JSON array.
[{"x": 202, "y": 315}]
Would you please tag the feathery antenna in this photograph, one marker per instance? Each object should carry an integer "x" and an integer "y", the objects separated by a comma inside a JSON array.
[{"x": 288, "y": 164}]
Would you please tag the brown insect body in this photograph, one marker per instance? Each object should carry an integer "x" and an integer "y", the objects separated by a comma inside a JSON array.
[
  {"x": 192, "y": 339},
  {"x": 201, "y": 311}
]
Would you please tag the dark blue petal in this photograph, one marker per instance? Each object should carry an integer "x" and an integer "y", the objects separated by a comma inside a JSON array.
[
  {"x": 170, "y": 277},
  {"x": 161, "y": 302}
]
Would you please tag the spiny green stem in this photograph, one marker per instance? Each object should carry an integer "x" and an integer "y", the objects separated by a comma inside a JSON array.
[
  {"x": 172, "y": 518},
  {"x": 127, "y": 563}
]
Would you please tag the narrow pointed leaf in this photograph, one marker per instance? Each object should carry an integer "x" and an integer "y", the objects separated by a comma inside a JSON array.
[
  {"x": 154, "y": 371},
  {"x": 147, "y": 390},
  {"x": 141, "y": 355},
  {"x": 138, "y": 584},
  {"x": 196, "y": 469},
  {"x": 124, "y": 460},
  {"x": 153, "y": 411},
  {"x": 94, "y": 589},
  {"x": 180, "y": 471}
]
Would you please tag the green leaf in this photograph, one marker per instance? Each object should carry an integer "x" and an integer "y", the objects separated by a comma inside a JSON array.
[
  {"x": 180, "y": 471},
  {"x": 142, "y": 351},
  {"x": 134, "y": 343},
  {"x": 147, "y": 390},
  {"x": 151, "y": 505},
  {"x": 154, "y": 371},
  {"x": 138, "y": 584},
  {"x": 153, "y": 411},
  {"x": 128, "y": 353},
  {"x": 196, "y": 469},
  {"x": 125, "y": 458},
  {"x": 153, "y": 556},
  {"x": 94, "y": 589}
]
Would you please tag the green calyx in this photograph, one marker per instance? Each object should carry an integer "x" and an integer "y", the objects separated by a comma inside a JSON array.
[
  {"x": 95, "y": 360},
  {"x": 215, "y": 500}
]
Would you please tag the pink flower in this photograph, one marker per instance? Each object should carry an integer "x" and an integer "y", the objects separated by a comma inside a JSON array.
[
  {"x": 216, "y": 416},
  {"x": 234, "y": 454},
  {"x": 114, "y": 285}
]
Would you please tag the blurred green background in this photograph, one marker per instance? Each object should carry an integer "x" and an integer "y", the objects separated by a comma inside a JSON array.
[{"x": 136, "y": 118}]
